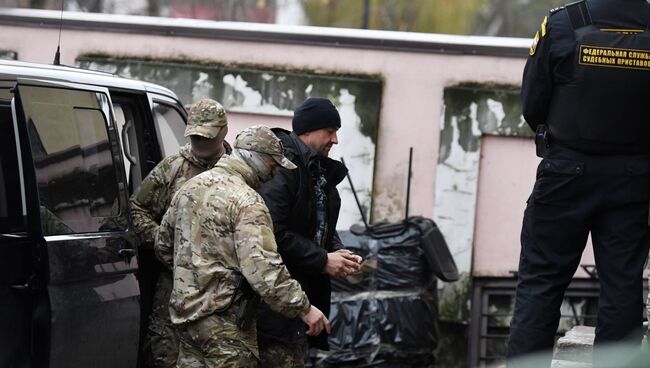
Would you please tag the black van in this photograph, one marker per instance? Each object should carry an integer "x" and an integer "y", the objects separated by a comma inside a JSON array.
[{"x": 73, "y": 146}]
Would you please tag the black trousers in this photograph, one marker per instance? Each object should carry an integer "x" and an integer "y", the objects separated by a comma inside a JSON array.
[{"x": 576, "y": 194}]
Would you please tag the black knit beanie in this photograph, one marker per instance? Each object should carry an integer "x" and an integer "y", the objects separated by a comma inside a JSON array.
[{"x": 313, "y": 114}]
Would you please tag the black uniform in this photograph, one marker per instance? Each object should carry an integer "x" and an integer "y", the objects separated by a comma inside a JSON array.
[{"x": 588, "y": 81}]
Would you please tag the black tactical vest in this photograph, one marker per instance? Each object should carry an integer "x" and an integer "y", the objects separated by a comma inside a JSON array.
[{"x": 604, "y": 109}]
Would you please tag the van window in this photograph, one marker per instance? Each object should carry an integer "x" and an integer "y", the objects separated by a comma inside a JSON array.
[
  {"x": 123, "y": 119},
  {"x": 135, "y": 126},
  {"x": 75, "y": 169},
  {"x": 170, "y": 128},
  {"x": 11, "y": 209}
]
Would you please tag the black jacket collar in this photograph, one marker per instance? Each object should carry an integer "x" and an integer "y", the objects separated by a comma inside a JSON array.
[{"x": 302, "y": 155}]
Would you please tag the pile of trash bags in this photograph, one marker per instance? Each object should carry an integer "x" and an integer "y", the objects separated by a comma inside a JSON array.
[{"x": 387, "y": 315}]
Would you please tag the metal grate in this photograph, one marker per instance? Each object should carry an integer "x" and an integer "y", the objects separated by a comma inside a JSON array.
[{"x": 492, "y": 307}]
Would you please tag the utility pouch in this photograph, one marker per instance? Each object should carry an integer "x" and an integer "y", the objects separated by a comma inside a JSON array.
[
  {"x": 541, "y": 140},
  {"x": 247, "y": 306}
]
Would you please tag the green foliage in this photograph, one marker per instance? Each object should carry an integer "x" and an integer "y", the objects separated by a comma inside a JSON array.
[
  {"x": 506, "y": 18},
  {"x": 441, "y": 16},
  {"x": 512, "y": 18}
]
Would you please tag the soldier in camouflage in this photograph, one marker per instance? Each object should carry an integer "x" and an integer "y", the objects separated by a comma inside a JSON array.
[
  {"x": 206, "y": 129},
  {"x": 216, "y": 235}
]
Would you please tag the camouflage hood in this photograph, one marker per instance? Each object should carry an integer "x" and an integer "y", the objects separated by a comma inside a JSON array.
[
  {"x": 238, "y": 167},
  {"x": 186, "y": 152}
]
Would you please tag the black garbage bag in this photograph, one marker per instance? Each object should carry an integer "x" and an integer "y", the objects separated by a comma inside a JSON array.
[{"x": 387, "y": 315}]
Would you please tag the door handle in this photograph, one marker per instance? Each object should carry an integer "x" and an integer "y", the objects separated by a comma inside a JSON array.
[
  {"x": 125, "y": 145},
  {"x": 28, "y": 285},
  {"x": 126, "y": 252},
  {"x": 25, "y": 286}
]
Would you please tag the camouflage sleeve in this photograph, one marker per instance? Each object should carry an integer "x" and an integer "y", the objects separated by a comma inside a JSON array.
[
  {"x": 149, "y": 202},
  {"x": 164, "y": 245},
  {"x": 262, "y": 265}
]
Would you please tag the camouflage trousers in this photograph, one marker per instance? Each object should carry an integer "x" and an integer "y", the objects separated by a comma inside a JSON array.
[
  {"x": 280, "y": 355},
  {"x": 161, "y": 343},
  {"x": 215, "y": 341}
]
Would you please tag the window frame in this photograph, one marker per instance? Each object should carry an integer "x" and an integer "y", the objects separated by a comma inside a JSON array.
[
  {"x": 169, "y": 102},
  {"x": 20, "y": 226},
  {"x": 115, "y": 148},
  {"x": 148, "y": 148}
]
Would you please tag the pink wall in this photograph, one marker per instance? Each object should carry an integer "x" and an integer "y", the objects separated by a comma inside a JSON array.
[
  {"x": 238, "y": 121},
  {"x": 507, "y": 174},
  {"x": 412, "y": 96}
]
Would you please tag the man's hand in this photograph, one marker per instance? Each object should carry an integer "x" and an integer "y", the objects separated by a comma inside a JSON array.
[
  {"x": 342, "y": 263},
  {"x": 316, "y": 321}
]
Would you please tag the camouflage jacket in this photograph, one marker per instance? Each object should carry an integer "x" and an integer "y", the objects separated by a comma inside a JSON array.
[
  {"x": 150, "y": 201},
  {"x": 217, "y": 227}
]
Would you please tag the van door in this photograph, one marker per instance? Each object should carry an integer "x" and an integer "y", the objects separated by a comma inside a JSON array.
[
  {"x": 81, "y": 189},
  {"x": 19, "y": 292}
]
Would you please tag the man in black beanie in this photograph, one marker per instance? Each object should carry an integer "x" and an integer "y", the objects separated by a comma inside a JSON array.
[{"x": 304, "y": 206}]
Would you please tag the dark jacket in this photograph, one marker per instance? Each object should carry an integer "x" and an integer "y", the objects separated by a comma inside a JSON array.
[
  {"x": 291, "y": 200},
  {"x": 561, "y": 86}
]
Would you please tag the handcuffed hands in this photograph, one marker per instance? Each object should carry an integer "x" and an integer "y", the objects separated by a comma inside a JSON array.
[{"x": 342, "y": 263}]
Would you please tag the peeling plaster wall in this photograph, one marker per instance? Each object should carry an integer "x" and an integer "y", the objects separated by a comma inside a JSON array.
[
  {"x": 470, "y": 111},
  {"x": 411, "y": 103},
  {"x": 263, "y": 93},
  {"x": 486, "y": 169}
]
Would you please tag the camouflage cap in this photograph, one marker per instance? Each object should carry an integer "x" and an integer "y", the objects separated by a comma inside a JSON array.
[
  {"x": 260, "y": 138},
  {"x": 206, "y": 118}
]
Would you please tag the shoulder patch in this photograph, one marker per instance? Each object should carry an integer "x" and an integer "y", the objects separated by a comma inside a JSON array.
[
  {"x": 555, "y": 10},
  {"x": 533, "y": 47},
  {"x": 544, "y": 22}
]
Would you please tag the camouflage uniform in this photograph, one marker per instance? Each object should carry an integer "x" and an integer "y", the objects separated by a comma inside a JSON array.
[
  {"x": 216, "y": 229},
  {"x": 281, "y": 355},
  {"x": 148, "y": 205}
]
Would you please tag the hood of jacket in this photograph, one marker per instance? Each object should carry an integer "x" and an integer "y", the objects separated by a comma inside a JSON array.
[
  {"x": 302, "y": 155},
  {"x": 238, "y": 167}
]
